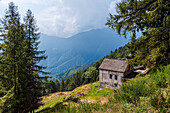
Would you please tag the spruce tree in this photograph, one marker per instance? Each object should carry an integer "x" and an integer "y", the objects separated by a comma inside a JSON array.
[
  {"x": 62, "y": 85},
  {"x": 19, "y": 69},
  {"x": 32, "y": 36},
  {"x": 66, "y": 83},
  {"x": 13, "y": 75},
  {"x": 35, "y": 56},
  {"x": 57, "y": 83},
  {"x": 52, "y": 87}
]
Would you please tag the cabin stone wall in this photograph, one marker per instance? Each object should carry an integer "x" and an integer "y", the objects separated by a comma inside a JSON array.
[{"x": 109, "y": 78}]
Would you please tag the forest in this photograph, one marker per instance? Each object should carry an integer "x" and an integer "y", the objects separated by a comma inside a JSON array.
[{"x": 21, "y": 86}]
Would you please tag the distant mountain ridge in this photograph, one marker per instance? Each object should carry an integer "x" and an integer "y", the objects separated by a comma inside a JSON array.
[{"x": 80, "y": 49}]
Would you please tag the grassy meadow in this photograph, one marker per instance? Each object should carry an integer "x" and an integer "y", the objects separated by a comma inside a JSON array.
[{"x": 142, "y": 94}]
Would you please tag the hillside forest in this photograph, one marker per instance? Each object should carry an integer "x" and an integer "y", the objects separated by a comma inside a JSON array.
[{"x": 21, "y": 86}]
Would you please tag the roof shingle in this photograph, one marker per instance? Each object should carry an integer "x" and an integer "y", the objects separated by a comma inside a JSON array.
[{"x": 114, "y": 65}]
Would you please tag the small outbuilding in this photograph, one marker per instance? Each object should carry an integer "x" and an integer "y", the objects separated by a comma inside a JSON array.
[{"x": 111, "y": 72}]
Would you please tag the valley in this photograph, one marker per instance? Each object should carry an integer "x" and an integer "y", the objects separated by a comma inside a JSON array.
[{"x": 79, "y": 51}]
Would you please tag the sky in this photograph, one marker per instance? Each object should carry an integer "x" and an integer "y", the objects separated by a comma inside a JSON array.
[{"x": 65, "y": 18}]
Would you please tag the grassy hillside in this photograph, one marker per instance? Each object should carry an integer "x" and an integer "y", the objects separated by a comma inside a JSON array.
[
  {"x": 91, "y": 94},
  {"x": 142, "y": 94}
]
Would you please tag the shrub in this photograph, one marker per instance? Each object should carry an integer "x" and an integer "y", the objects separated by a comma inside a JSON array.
[
  {"x": 162, "y": 77},
  {"x": 161, "y": 100},
  {"x": 132, "y": 90}
]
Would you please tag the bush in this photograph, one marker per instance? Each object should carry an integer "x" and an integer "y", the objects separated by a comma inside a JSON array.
[
  {"x": 143, "y": 86},
  {"x": 162, "y": 77},
  {"x": 132, "y": 90},
  {"x": 161, "y": 100}
]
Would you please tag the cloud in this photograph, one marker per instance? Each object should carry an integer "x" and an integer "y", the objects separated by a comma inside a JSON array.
[
  {"x": 74, "y": 16},
  {"x": 65, "y": 18},
  {"x": 112, "y": 8}
]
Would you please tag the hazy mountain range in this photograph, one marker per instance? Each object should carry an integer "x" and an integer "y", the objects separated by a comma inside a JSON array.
[{"x": 80, "y": 49}]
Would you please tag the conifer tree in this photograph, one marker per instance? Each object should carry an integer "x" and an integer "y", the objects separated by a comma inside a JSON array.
[
  {"x": 57, "y": 83},
  {"x": 77, "y": 79},
  {"x": 35, "y": 56},
  {"x": 13, "y": 75},
  {"x": 51, "y": 87},
  {"x": 19, "y": 69},
  {"x": 62, "y": 85},
  {"x": 66, "y": 83},
  {"x": 152, "y": 17},
  {"x": 32, "y": 36}
]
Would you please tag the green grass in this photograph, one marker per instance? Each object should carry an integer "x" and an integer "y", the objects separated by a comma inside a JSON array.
[
  {"x": 144, "y": 94},
  {"x": 86, "y": 89},
  {"x": 96, "y": 93},
  {"x": 91, "y": 91},
  {"x": 51, "y": 103}
]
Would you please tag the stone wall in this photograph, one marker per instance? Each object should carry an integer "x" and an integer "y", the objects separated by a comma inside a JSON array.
[{"x": 109, "y": 78}]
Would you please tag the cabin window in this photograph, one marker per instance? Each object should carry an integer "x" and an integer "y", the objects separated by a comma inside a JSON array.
[
  {"x": 115, "y": 84},
  {"x": 115, "y": 77},
  {"x": 111, "y": 76}
]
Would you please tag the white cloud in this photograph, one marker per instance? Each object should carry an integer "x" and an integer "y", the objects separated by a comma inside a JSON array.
[
  {"x": 65, "y": 18},
  {"x": 112, "y": 8},
  {"x": 74, "y": 16}
]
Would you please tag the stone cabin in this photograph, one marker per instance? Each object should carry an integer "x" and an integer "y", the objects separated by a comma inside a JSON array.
[{"x": 111, "y": 72}]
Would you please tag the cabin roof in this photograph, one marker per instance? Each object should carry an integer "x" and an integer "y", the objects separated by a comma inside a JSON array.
[{"x": 116, "y": 65}]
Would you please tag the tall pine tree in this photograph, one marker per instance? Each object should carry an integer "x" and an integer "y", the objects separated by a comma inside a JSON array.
[
  {"x": 35, "y": 56},
  {"x": 57, "y": 83},
  {"x": 32, "y": 36},
  {"x": 62, "y": 86},
  {"x": 13, "y": 63},
  {"x": 19, "y": 69}
]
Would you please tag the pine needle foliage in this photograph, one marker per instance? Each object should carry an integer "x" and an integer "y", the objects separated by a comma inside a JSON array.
[{"x": 19, "y": 56}]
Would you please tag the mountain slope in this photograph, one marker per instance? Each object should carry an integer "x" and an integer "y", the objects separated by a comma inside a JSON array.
[
  {"x": 141, "y": 94},
  {"x": 80, "y": 49}
]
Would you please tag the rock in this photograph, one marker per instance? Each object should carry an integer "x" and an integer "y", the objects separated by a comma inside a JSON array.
[
  {"x": 69, "y": 98},
  {"x": 61, "y": 94},
  {"x": 81, "y": 94},
  {"x": 76, "y": 96}
]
